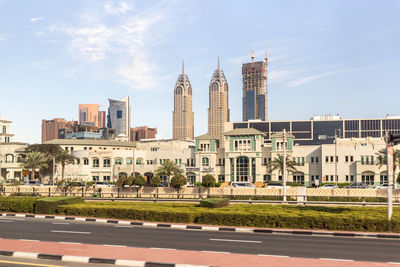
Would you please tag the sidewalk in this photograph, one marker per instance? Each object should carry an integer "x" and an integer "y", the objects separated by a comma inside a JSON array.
[{"x": 171, "y": 256}]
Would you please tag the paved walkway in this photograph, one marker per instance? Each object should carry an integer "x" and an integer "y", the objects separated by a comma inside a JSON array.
[{"x": 171, "y": 256}]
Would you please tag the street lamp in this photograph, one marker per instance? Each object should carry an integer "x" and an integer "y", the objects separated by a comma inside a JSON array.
[
  {"x": 391, "y": 140},
  {"x": 284, "y": 165}
]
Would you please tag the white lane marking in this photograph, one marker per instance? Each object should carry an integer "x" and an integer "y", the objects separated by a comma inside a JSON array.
[
  {"x": 178, "y": 226},
  {"x": 28, "y": 255},
  {"x": 30, "y": 240},
  {"x": 71, "y": 243},
  {"x": 266, "y": 255},
  {"x": 59, "y": 223},
  {"x": 165, "y": 248},
  {"x": 123, "y": 226},
  {"x": 222, "y": 252},
  {"x": 330, "y": 259},
  {"x": 131, "y": 263},
  {"x": 75, "y": 259},
  {"x": 116, "y": 246},
  {"x": 70, "y": 232},
  {"x": 210, "y": 228},
  {"x": 150, "y": 224},
  {"x": 234, "y": 240}
]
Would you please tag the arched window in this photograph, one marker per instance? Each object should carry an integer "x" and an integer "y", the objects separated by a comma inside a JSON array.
[
  {"x": 85, "y": 161},
  {"x": 95, "y": 163},
  {"x": 129, "y": 161},
  {"x": 10, "y": 158},
  {"x": 139, "y": 161},
  {"x": 118, "y": 161},
  {"x": 205, "y": 162},
  {"x": 191, "y": 177},
  {"x": 106, "y": 163}
]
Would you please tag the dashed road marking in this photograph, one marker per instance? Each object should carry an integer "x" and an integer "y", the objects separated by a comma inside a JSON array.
[
  {"x": 235, "y": 240},
  {"x": 70, "y": 232},
  {"x": 330, "y": 259}
]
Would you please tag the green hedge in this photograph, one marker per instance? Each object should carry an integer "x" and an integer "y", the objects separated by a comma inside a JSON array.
[
  {"x": 49, "y": 205},
  {"x": 276, "y": 216},
  {"x": 214, "y": 202},
  {"x": 18, "y": 204}
]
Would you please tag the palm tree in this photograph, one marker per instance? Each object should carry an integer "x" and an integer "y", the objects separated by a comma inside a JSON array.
[
  {"x": 381, "y": 160},
  {"x": 64, "y": 157},
  {"x": 169, "y": 168},
  {"x": 34, "y": 160},
  {"x": 277, "y": 164}
]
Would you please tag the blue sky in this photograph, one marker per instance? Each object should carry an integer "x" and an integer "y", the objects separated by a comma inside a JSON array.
[{"x": 326, "y": 57}]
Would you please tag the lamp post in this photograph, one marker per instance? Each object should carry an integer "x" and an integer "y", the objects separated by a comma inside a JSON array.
[
  {"x": 390, "y": 140},
  {"x": 284, "y": 165}
]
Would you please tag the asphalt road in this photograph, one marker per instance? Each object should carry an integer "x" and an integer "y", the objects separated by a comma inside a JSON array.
[
  {"x": 361, "y": 249},
  {"x": 6, "y": 261}
]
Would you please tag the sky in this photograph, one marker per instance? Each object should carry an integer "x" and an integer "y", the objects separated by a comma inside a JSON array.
[{"x": 325, "y": 57}]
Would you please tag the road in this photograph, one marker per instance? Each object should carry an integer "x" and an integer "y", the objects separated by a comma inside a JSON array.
[
  {"x": 359, "y": 249},
  {"x": 6, "y": 261}
]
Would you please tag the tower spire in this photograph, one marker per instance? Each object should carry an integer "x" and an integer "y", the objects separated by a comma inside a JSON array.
[
  {"x": 219, "y": 67},
  {"x": 183, "y": 67}
]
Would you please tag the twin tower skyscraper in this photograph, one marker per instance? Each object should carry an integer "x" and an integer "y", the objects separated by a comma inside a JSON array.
[{"x": 254, "y": 100}]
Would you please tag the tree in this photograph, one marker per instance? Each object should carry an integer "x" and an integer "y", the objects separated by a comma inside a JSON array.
[
  {"x": 208, "y": 181},
  {"x": 64, "y": 157},
  {"x": 155, "y": 181},
  {"x": 34, "y": 160},
  {"x": 277, "y": 164},
  {"x": 122, "y": 181},
  {"x": 178, "y": 181},
  {"x": 169, "y": 168},
  {"x": 50, "y": 151},
  {"x": 381, "y": 160},
  {"x": 139, "y": 180}
]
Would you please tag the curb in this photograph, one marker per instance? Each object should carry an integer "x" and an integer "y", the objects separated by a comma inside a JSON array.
[
  {"x": 79, "y": 259},
  {"x": 207, "y": 228}
]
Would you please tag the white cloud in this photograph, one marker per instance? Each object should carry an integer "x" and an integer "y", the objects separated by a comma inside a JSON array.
[
  {"x": 307, "y": 79},
  {"x": 41, "y": 65},
  {"x": 2, "y": 37},
  {"x": 121, "y": 8},
  {"x": 33, "y": 20},
  {"x": 122, "y": 47}
]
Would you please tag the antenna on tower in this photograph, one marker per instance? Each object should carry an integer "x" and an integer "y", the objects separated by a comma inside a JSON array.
[
  {"x": 252, "y": 55},
  {"x": 219, "y": 67},
  {"x": 183, "y": 67},
  {"x": 266, "y": 52}
]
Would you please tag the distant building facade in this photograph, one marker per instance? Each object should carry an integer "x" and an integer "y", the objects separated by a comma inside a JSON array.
[
  {"x": 5, "y": 135},
  {"x": 143, "y": 132},
  {"x": 183, "y": 116},
  {"x": 51, "y": 128},
  {"x": 255, "y": 97},
  {"x": 119, "y": 117},
  {"x": 218, "y": 111}
]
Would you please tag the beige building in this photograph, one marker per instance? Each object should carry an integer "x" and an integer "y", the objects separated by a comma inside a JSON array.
[
  {"x": 183, "y": 116},
  {"x": 218, "y": 111},
  {"x": 10, "y": 153}
]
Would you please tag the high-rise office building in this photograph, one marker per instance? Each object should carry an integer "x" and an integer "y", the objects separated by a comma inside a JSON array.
[
  {"x": 255, "y": 92},
  {"x": 183, "y": 116},
  {"x": 102, "y": 119},
  {"x": 218, "y": 111},
  {"x": 119, "y": 117},
  {"x": 89, "y": 114}
]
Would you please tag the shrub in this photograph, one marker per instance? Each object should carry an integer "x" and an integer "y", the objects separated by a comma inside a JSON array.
[
  {"x": 122, "y": 181},
  {"x": 214, "y": 202},
  {"x": 18, "y": 204},
  {"x": 208, "y": 181},
  {"x": 139, "y": 180},
  {"x": 49, "y": 205},
  {"x": 155, "y": 181},
  {"x": 178, "y": 181}
]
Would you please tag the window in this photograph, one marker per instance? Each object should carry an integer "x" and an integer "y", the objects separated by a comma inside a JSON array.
[
  {"x": 96, "y": 163},
  {"x": 351, "y": 178},
  {"x": 326, "y": 159},
  {"x": 140, "y": 161},
  {"x": 106, "y": 163},
  {"x": 337, "y": 159},
  {"x": 205, "y": 162},
  {"x": 346, "y": 158},
  {"x": 312, "y": 177},
  {"x": 347, "y": 178},
  {"x": 331, "y": 158},
  {"x": 85, "y": 161},
  {"x": 129, "y": 161},
  {"x": 119, "y": 114},
  {"x": 4, "y": 129},
  {"x": 351, "y": 159},
  {"x": 118, "y": 161},
  {"x": 106, "y": 178},
  {"x": 312, "y": 159},
  {"x": 95, "y": 178},
  {"x": 266, "y": 178},
  {"x": 221, "y": 178},
  {"x": 316, "y": 159}
]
